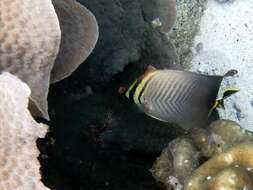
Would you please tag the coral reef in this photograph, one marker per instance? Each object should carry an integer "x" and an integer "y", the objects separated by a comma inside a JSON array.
[
  {"x": 97, "y": 140},
  {"x": 30, "y": 54},
  {"x": 224, "y": 144},
  {"x": 20, "y": 168},
  {"x": 96, "y": 152}
]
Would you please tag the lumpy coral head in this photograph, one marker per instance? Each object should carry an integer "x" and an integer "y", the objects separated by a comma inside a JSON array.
[
  {"x": 219, "y": 136},
  {"x": 226, "y": 133},
  {"x": 185, "y": 158},
  {"x": 30, "y": 38},
  {"x": 176, "y": 163},
  {"x": 20, "y": 168},
  {"x": 79, "y": 35},
  {"x": 219, "y": 166}
]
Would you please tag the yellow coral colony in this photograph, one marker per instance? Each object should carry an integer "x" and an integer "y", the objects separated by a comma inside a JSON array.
[{"x": 229, "y": 170}]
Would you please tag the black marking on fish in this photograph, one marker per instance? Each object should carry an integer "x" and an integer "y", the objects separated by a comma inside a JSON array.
[{"x": 144, "y": 87}]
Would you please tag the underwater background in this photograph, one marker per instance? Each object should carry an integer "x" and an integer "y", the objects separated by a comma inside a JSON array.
[{"x": 73, "y": 71}]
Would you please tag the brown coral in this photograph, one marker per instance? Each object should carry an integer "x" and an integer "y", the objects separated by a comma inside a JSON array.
[
  {"x": 79, "y": 35},
  {"x": 20, "y": 168}
]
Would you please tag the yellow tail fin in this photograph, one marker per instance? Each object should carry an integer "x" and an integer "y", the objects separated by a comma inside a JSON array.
[{"x": 220, "y": 102}]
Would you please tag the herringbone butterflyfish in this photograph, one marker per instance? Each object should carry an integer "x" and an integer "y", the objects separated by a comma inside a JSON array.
[{"x": 181, "y": 97}]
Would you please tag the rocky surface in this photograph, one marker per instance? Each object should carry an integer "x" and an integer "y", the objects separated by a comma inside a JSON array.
[{"x": 189, "y": 14}]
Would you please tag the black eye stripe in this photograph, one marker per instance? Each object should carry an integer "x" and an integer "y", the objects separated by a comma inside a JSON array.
[
  {"x": 144, "y": 87},
  {"x": 131, "y": 94}
]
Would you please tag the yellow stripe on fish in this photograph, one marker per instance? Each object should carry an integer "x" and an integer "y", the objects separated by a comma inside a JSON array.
[
  {"x": 141, "y": 87},
  {"x": 130, "y": 89},
  {"x": 181, "y": 97}
]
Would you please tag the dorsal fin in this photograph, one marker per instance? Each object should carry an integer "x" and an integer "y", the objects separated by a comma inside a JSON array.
[
  {"x": 150, "y": 67},
  {"x": 149, "y": 70},
  {"x": 231, "y": 73},
  {"x": 229, "y": 92}
]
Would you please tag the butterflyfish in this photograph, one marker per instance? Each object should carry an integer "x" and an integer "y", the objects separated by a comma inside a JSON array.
[{"x": 182, "y": 97}]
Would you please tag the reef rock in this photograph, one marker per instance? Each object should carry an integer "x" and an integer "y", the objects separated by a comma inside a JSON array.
[{"x": 20, "y": 168}]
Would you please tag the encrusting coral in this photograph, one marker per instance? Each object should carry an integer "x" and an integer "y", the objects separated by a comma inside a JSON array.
[
  {"x": 20, "y": 168},
  {"x": 226, "y": 146},
  {"x": 30, "y": 41}
]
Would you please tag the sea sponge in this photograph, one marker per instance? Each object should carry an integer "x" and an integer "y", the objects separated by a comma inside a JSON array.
[
  {"x": 20, "y": 168},
  {"x": 30, "y": 39},
  {"x": 218, "y": 172}
]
